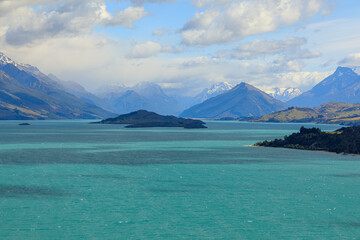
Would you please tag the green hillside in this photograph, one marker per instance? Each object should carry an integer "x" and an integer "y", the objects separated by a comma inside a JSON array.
[{"x": 333, "y": 113}]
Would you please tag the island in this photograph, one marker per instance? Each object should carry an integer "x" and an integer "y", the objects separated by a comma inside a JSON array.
[
  {"x": 24, "y": 124},
  {"x": 143, "y": 118},
  {"x": 344, "y": 140}
]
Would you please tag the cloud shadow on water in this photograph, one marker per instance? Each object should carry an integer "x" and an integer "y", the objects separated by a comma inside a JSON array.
[{"x": 22, "y": 191}]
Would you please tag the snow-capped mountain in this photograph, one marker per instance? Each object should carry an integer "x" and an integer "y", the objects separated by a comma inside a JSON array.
[
  {"x": 215, "y": 90},
  {"x": 341, "y": 86},
  {"x": 284, "y": 94}
]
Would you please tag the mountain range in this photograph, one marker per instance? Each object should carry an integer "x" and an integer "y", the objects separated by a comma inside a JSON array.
[{"x": 26, "y": 93}]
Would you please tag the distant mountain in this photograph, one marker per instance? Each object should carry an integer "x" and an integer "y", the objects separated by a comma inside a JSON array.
[
  {"x": 215, "y": 90},
  {"x": 26, "y": 93},
  {"x": 163, "y": 103},
  {"x": 80, "y": 92},
  {"x": 142, "y": 118},
  {"x": 147, "y": 96},
  {"x": 284, "y": 94},
  {"x": 327, "y": 113},
  {"x": 243, "y": 100},
  {"x": 342, "y": 86}
]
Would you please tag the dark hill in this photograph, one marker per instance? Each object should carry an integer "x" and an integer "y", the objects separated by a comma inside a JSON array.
[
  {"x": 143, "y": 118},
  {"x": 343, "y": 140}
]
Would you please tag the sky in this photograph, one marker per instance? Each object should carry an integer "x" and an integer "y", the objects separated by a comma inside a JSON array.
[{"x": 183, "y": 45}]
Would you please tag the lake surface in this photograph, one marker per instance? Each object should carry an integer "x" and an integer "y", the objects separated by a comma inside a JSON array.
[{"x": 73, "y": 180}]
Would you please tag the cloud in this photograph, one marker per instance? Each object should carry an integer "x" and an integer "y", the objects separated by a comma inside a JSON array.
[
  {"x": 26, "y": 25},
  {"x": 290, "y": 47},
  {"x": 205, "y": 3},
  {"x": 148, "y": 49},
  {"x": 141, "y": 2},
  {"x": 201, "y": 60},
  {"x": 235, "y": 20},
  {"x": 351, "y": 60},
  {"x": 284, "y": 65},
  {"x": 158, "y": 32}
]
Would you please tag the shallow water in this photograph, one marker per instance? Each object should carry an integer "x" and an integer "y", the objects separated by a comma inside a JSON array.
[{"x": 73, "y": 180}]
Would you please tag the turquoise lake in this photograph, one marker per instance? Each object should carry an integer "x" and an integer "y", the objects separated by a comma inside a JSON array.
[{"x": 74, "y": 180}]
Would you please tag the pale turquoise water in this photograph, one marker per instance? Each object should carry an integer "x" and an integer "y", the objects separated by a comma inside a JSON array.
[{"x": 73, "y": 180}]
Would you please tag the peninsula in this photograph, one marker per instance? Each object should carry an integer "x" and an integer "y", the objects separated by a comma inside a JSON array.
[
  {"x": 143, "y": 118},
  {"x": 327, "y": 113},
  {"x": 344, "y": 140}
]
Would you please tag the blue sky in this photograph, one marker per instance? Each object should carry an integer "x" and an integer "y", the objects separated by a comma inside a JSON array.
[{"x": 183, "y": 45}]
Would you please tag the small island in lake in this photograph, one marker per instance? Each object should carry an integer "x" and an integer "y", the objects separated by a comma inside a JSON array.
[
  {"x": 24, "y": 124},
  {"x": 343, "y": 140},
  {"x": 143, "y": 118}
]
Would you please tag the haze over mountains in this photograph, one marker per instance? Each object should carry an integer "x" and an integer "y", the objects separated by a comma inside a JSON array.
[{"x": 27, "y": 93}]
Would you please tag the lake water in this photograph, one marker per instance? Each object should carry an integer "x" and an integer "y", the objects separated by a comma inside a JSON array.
[{"x": 74, "y": 180}]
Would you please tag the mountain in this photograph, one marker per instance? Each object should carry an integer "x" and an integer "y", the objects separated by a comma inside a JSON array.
[
  {"x": 148, "y": 96},
  {"x": 26, "y": 93},
  {"x": 333, "y": 113},
  {"x": 142, "y": 118},
  {"x": 284, "y": 94},
  {"x": 243, "y": 100},
  {"x": 342, "y": 86}
]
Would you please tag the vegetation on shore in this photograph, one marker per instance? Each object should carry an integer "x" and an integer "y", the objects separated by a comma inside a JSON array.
[{"x": 343, "y": 140}]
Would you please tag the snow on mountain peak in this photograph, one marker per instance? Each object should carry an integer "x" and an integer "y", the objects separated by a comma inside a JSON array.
[
  {"x": 284, "y": 94},
  {"x": 5, "y": 59},
  {"x": 219, "y": 87},
  {"x": 356, "y": 70}
]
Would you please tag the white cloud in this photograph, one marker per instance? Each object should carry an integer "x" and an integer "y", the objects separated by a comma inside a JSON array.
[
  {"x": 238, "y": 19},
  {"x": 148, "y": 49},
  {"x": 25, "y": 24},
  {"x": 141, "y": 2},
  {"x": 158, "y": 32},
  {"x": 201, "y": 60},
  {"x": 351, "y": 60},
  {"x": 289, "y": 47},
  {"x": 205, "y": 3},
  {"x": 126, "y": 18}
]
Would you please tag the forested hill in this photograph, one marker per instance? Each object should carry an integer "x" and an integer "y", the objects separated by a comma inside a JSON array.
[{"x": 343, "y": 140}]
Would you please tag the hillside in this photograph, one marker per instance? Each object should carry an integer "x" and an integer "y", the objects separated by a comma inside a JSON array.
[
  {"x": 243, "y": 100},
  {"x": 344, "y": 140},
  {"x": 333, "y": 113},
  {"x": 26, "y": 95}
]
